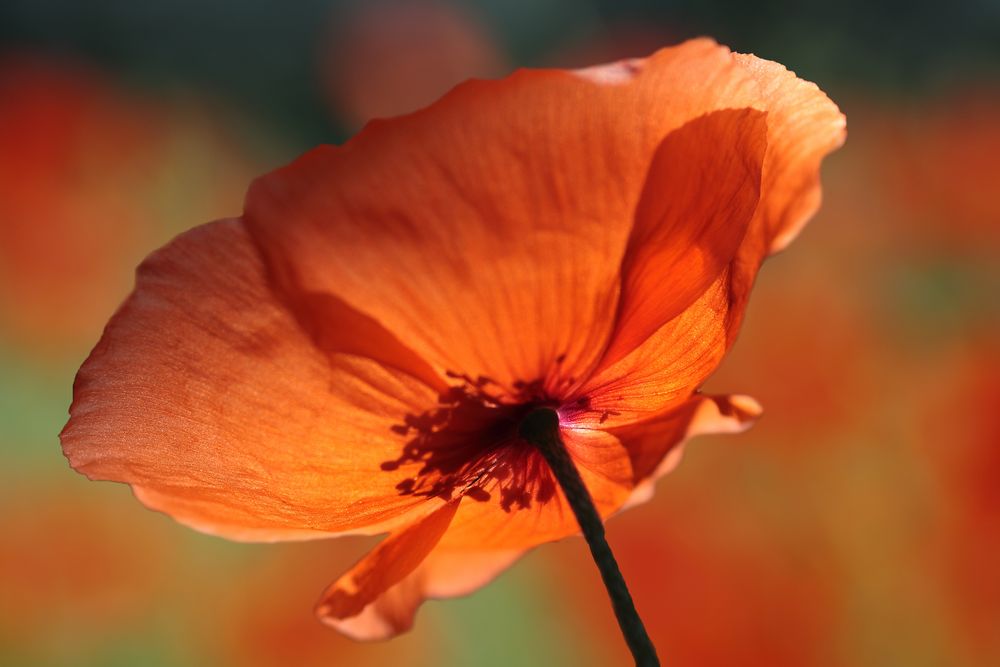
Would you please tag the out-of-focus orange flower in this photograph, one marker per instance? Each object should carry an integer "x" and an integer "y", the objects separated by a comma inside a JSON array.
[
  {"x": 73, "y": 570},
  {"x": 72, "y": 150},
  {"x": 942, "y": 163},
  {"x": 960, "y": 429},
  {"x": 88, "y": 181},
  {"x": 264, "y": 621},
  {"x": 356, "y": 353},
  {"x": 812, "y": 379},
  {"x": 390, "y": 58}
]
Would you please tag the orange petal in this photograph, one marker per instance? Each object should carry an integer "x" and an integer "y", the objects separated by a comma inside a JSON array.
[
  {"x": 378, "y": 598},
  {"x": 657, "y": 445},
  {"x": 803, "y": 125},
  {"x": 649, "y": 441},
  {"x": 216, "y": 404},
  {"x": 662, "y": 372},
  {"x": 700, "y": 194},
  {"x": 488, "y": 229}
]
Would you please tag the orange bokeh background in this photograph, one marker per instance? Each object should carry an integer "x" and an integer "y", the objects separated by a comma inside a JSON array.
[{"x": 858, "y": 523}]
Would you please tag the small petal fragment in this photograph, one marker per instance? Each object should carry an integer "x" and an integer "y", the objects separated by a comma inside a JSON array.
[
  {"x": 657, "y": 445},
  {"x": 378, "y": 598},
  {"x": 649, "y": 441}
]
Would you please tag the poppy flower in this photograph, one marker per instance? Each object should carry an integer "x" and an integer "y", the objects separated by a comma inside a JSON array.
[
  {"x": 60, "y": 130},
  {"x": 117, "y": 573},
  {"x": 282, "y": 632},
  {"x": 938, "y": 162},
  {"x": 364, "y": 350},
  {"x": 958, "y": 432},
  {"x": 389, "y": 58},
  {"x": 815, "y": 388}
]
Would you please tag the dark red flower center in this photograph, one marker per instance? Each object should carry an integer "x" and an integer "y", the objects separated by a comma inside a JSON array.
[{"x": 470, "y": 445}]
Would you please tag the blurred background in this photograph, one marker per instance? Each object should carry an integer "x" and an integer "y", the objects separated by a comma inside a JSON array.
[{"x": 858, "y": 524}]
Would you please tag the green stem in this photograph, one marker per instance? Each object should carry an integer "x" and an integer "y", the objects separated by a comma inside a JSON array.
[{"x": 541, "y": 429}]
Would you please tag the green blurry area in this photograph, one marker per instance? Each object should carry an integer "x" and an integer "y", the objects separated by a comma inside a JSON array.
[{"x": 856, "y": 524}]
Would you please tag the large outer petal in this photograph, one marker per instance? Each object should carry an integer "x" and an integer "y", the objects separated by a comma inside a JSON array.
[
  {"x": 209, "y": 397},
  {"x": 803, "y": 126},
  {"x": 488, "y": 229}
]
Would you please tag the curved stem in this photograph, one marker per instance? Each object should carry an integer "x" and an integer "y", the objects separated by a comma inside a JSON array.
[{"x": 541, "y": 429}]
